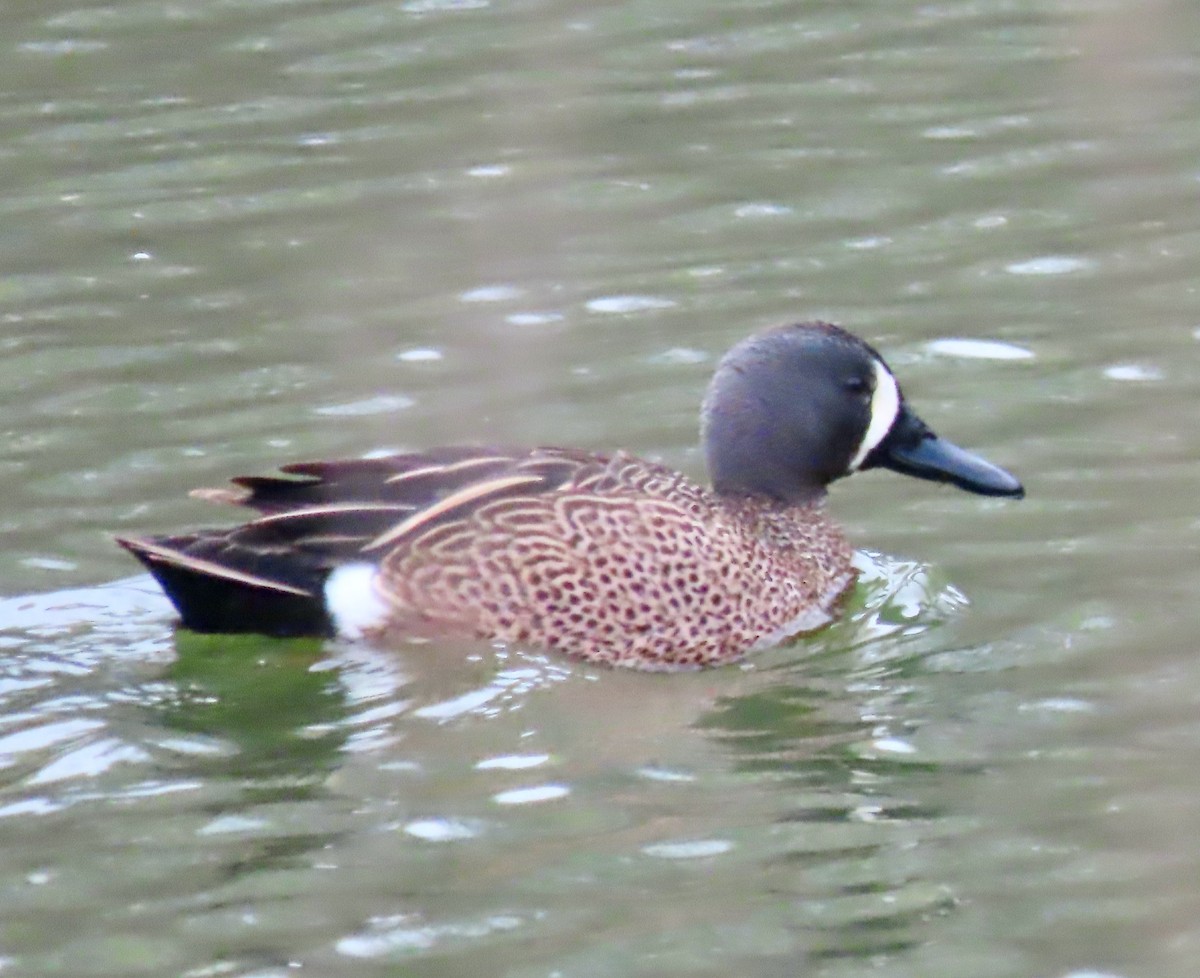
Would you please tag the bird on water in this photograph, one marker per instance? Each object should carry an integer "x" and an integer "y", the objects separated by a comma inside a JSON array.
[{"x": 602, "y": 556}]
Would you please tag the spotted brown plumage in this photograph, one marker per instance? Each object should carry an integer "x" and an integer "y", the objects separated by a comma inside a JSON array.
[
  {"x": 606, "y": 557},
  {"x": 628, "y": 563}
]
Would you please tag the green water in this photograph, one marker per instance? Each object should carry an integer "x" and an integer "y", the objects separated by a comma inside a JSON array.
[{"x": 235, "y": 234}]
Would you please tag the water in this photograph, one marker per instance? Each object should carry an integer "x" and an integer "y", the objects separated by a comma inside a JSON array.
[{"x": 238, "y": 234}]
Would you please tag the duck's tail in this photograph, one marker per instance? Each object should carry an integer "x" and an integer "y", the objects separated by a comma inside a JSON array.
[{"x": 221, "y": 588}]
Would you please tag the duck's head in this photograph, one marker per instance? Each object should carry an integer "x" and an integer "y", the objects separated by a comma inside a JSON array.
[{"x": 791, "y": 409}]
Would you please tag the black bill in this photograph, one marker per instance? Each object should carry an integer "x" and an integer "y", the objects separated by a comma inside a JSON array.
[{"x": 910, "y": 447}]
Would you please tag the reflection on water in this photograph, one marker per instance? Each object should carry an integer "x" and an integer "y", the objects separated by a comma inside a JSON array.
[
  {"x": 256, "y": 710},
  {"x": 554, "y": 791}
]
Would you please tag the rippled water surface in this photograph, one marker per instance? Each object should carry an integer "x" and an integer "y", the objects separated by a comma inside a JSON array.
[{"x": 234, "y": 234}]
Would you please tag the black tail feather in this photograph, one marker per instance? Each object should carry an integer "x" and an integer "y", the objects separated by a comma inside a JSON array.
[{"x": 223, "y": 590}]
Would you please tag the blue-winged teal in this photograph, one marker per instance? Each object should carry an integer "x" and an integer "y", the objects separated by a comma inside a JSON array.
[{"x": 606, "y": 557}]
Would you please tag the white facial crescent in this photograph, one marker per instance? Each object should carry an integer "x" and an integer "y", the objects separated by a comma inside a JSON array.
[{"x": 885, "y": 406}]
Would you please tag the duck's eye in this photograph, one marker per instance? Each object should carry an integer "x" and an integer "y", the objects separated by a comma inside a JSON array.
[{"x": 857, "y": 385}]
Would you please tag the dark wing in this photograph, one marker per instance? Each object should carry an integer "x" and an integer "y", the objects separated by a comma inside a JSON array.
[
  {"x": 342, "y": 506},
  {"x": 267, "y": 575}
]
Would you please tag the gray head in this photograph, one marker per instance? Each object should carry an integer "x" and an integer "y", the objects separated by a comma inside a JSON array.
[{"x": 793, "y": 408}]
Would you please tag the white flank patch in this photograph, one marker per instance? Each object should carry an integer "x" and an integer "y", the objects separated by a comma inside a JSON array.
[
  {"x": 885, "y": 405},
  {"x": 351, "y": 600}
]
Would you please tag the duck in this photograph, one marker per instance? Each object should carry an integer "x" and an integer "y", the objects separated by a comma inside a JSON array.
[{"x": 603, "y": 556}]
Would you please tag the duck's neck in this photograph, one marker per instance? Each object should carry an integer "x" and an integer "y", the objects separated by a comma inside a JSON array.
[
  {"x": 745, "y": 502},
  {"x": 751, "y": 453},
  {"x": 780, "y": 496}
]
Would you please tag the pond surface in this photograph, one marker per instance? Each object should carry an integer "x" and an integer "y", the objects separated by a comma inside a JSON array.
[{"x": 237, "y": 233}]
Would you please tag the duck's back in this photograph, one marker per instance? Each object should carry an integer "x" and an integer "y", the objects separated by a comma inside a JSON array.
[{"x": 610, "y": 558}]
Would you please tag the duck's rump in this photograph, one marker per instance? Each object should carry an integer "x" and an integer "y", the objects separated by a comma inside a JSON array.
[{"x": 217, "y": 586}]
